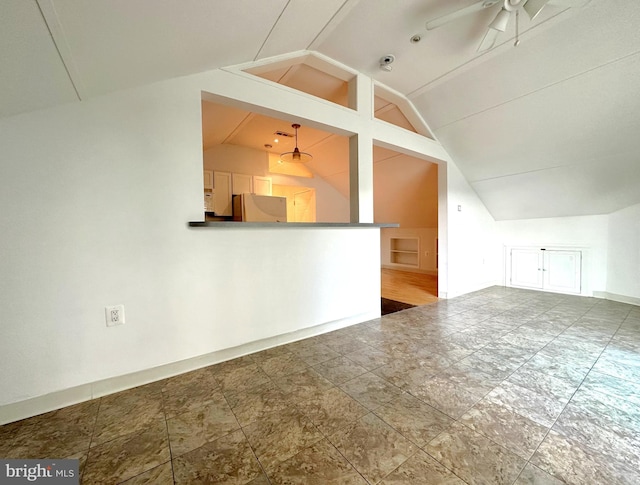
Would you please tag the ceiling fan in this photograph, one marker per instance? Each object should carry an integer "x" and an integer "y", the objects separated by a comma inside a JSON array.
[{"x": 501, "y": 21}]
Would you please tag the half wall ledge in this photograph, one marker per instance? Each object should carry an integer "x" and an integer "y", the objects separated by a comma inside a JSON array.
[{"x": 287, "y": 225}]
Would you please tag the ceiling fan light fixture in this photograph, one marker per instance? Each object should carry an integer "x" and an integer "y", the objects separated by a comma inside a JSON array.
[
  {"x": 501, "y": 21},
  {"x": 489, "y": 40},
  {"x": 534, "y": 7},
  {"x": 296, "y": 156}
]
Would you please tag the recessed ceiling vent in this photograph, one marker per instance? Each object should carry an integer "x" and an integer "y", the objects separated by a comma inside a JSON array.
[{"x": 283, "y": 133}]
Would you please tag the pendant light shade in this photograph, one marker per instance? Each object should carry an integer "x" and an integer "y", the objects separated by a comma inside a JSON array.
[
  {"x": 499, "y": 24},
  {"x": 501, "y": 21},
  {"x": 296, "y": 156}
]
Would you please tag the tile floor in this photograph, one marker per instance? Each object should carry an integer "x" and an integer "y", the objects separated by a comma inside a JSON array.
[{"x": 499, "y": 386}]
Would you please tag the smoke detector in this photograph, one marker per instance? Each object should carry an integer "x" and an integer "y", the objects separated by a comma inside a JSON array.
[{"x": 386, "y": 61}]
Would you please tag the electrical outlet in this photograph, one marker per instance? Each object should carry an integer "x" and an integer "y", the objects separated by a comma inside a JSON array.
[{"x": 114, "y": 315}]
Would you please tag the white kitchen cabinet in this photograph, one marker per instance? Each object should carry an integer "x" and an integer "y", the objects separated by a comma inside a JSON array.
[
  {"x": 207, "y": 176},
  {"x": 242, "y": 183},
  {"x": 262, "y": 185},
  {"x": 222, "y": 204},
  {"x": 558, "y": 270}
]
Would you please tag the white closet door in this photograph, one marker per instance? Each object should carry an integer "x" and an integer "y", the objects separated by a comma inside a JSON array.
[
  {"x": 562, "y": 271},
  {"x": 526, "y": 268}
]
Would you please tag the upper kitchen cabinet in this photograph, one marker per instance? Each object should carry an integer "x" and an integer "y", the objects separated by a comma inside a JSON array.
[
  {"x": 207, "y": 176},
  {"x": 262, "y": 185},
  {"x": 242, "y": 183},
  {"x": 222, "y": 205}
]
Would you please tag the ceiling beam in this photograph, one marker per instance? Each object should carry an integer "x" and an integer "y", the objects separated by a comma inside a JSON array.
[
  {"x": 50, "y": 17},
  {"x": 330, "y": 26}
]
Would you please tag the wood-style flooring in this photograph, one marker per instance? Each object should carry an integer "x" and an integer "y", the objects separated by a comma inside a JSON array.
[{"x": 408, "y": 287}]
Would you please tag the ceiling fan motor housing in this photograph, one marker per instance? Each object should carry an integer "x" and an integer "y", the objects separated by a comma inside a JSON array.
[{"x": 512, "y": 5}]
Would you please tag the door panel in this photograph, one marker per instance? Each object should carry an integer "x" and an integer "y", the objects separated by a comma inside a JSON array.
[
  {"x": 547, "y": 269},
  {"x": 562, "y": 271},
  {"x": 526, "y": 268}
]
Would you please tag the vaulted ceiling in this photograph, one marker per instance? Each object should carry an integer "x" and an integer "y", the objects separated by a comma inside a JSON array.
[{"x": 548, "y": 128}]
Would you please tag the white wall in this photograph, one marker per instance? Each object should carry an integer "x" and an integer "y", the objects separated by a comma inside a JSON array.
[
  {"x": 406, "y": 192},
  {"x": 588, "y": 233},
  {"x": 238, "y": 159},
  {"x": 96, "y": 197},
  {"x": 623, "y": 264},
  {"x": 469, "y": 248}
]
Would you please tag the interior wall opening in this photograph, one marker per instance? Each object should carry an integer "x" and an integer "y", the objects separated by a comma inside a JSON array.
[
  {"x": 242, "y": 154},
  {"x": 406, "y": 192}
]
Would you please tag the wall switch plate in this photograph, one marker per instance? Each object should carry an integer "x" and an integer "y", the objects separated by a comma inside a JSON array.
[
  {"x": 114, "y": 315},
  {"x": 459, "y": 208}
]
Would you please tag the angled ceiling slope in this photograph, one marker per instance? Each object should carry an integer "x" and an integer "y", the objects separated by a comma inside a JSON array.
[
  {"x": 58, "y": 51},
  {"x": 559, "y": 113},
  {"x": 547, "y": 129}
]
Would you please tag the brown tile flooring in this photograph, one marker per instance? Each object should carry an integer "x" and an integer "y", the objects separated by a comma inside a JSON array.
[{"x": 499, "y": 386}]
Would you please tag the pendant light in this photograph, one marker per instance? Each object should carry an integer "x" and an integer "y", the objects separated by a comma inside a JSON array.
[{"x": 296, "y": 156}]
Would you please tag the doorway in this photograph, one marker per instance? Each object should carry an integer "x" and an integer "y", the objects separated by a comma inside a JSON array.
[
  {"x": 301, "y": 202},
  {"x": 406, "y": 192}
]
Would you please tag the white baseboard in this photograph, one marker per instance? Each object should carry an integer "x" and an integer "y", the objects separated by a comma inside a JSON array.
[
  {"x": 470, "y": 289},
  {"x": 632, "y": 300},
  {"x": 67, "y": 397}
]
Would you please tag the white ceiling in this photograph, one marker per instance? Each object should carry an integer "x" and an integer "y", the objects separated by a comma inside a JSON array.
[{"x": 549, "y": 128}]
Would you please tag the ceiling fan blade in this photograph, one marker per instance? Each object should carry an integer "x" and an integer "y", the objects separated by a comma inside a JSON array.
[
  {"x": 489, "y": 40},
  {"x": 450, "y": 17},
  {"x": 534, "y": 7}
]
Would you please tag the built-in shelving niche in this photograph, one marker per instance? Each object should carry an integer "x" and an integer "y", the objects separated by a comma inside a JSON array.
[{"x": 405, "y": 251}]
